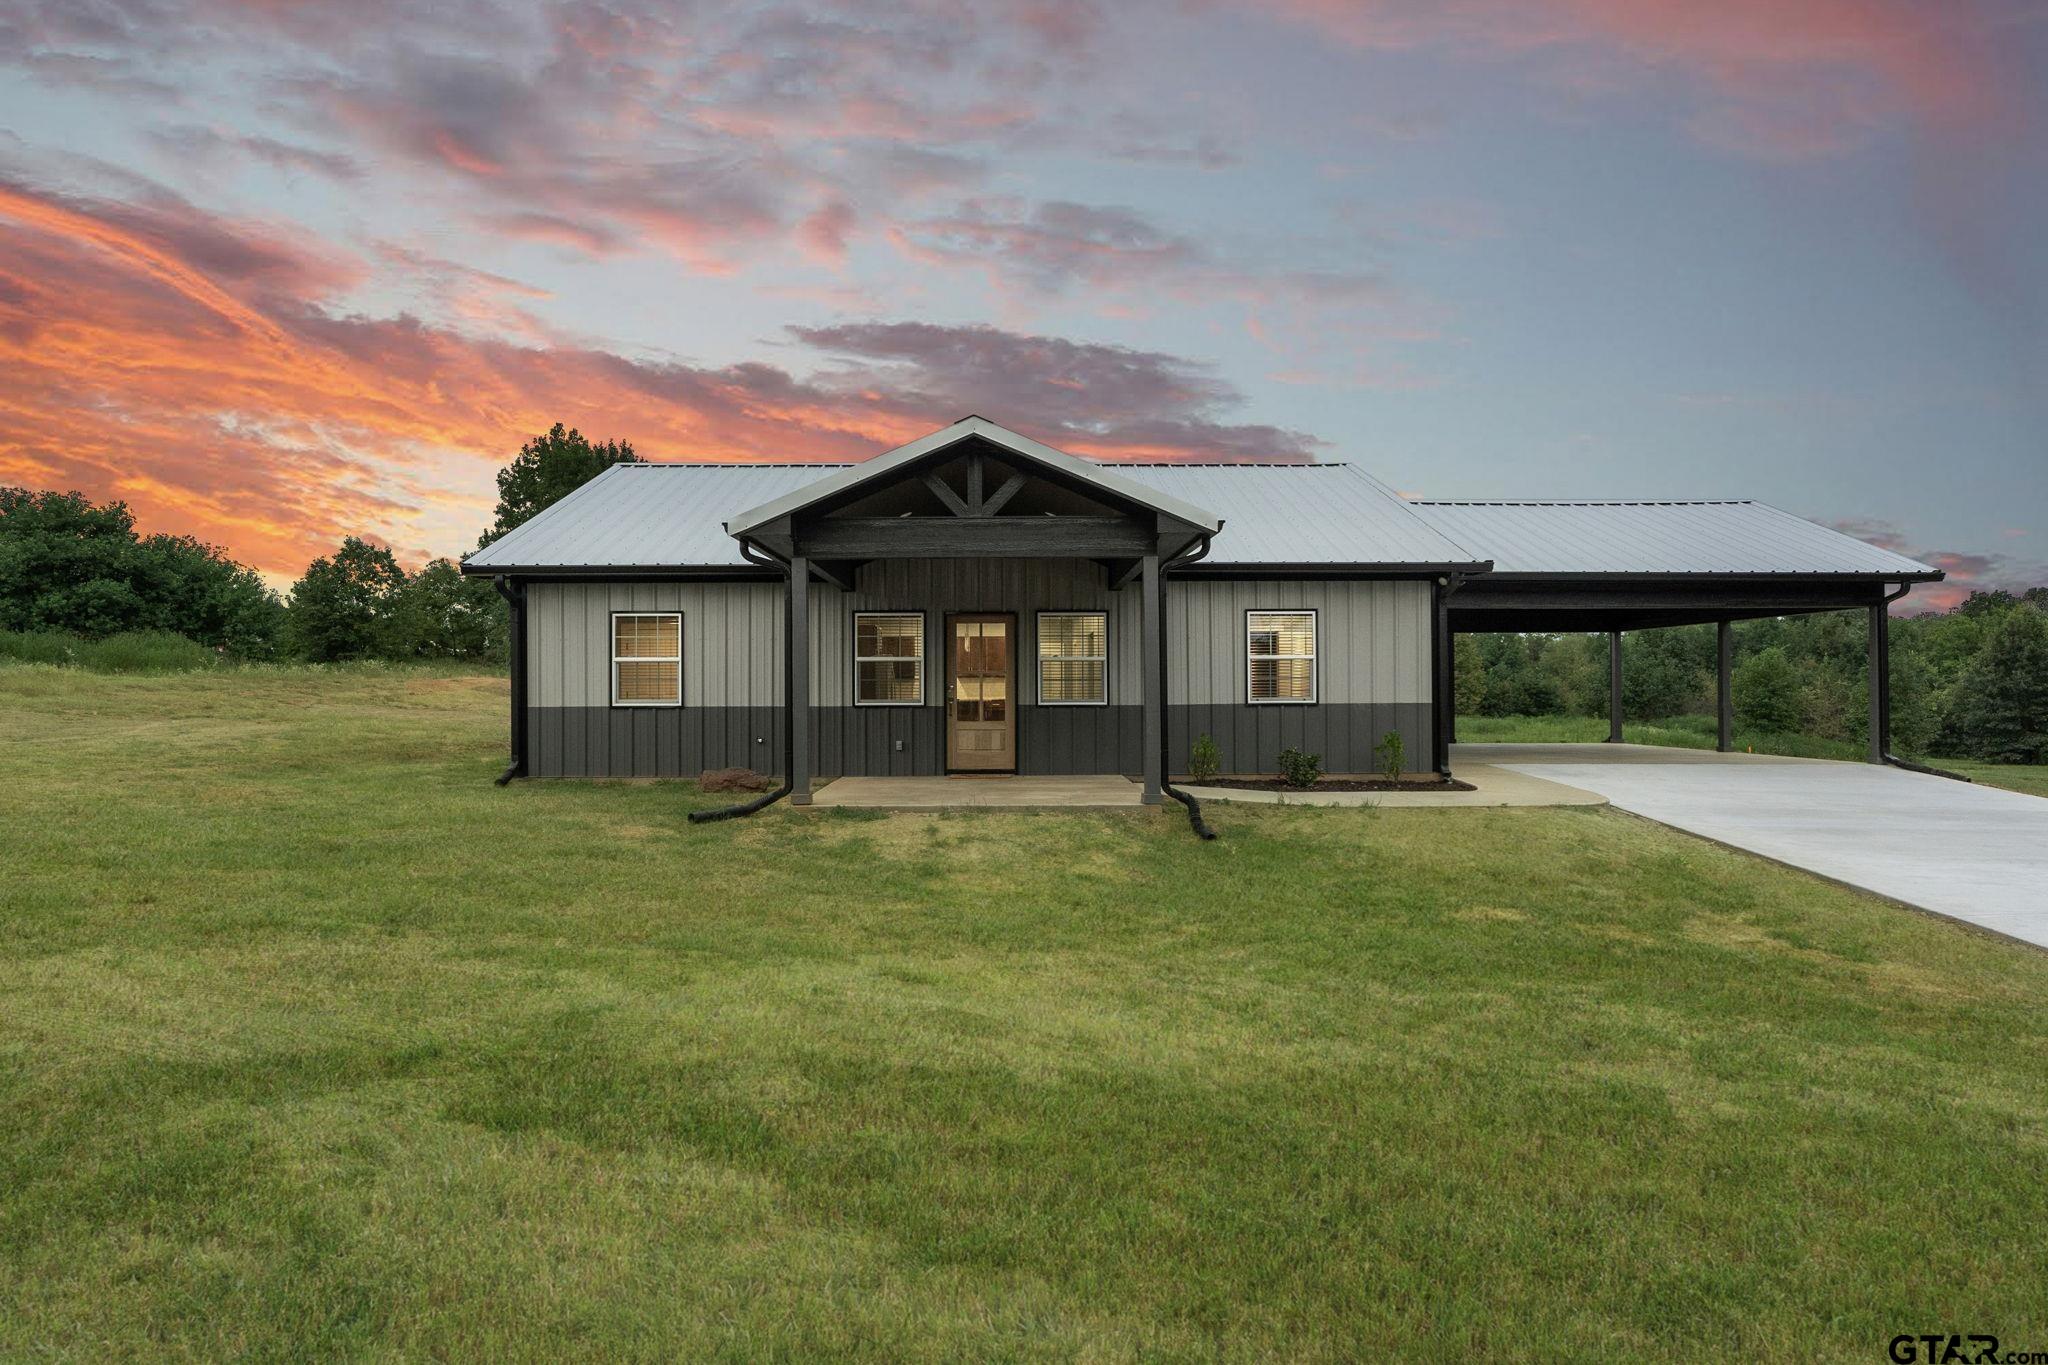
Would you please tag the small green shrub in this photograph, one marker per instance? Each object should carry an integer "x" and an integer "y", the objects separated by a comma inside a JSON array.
[
  {"x": 40, "y": 646},
  {"x": 1392, "y": 754},
  {"x": 1298, "y": 769},
  {"x": 148, "y": 651},
  {"x": 134, "y": 651},
  {"x": 1205, "y": 761}
]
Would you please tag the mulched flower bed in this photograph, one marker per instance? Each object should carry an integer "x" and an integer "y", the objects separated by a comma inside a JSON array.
[{"x": 1337, "y": 784}]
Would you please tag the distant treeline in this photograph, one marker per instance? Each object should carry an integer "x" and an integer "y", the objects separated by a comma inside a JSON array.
[
  {"x": 1971, "y": 682},
  {"x": 79, "y": 585}
]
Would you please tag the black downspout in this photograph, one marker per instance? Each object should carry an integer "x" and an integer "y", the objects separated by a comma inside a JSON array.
[
  {"x": 1881, "y": 686},
  {"x": 767, "y": 799},
  {"x": 1195, "y": 820},
  {"x": 514, "y": 593}
]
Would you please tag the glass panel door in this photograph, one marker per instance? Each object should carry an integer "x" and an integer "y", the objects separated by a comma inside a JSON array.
[{"x": 981, "y": 721}]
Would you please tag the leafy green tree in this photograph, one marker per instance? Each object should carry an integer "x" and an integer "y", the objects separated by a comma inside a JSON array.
[
  {"x": 1998, "y": 708},
  {"x": 1514, "y": 686},
  {"x": 342, "y": 608},
  {"x": 547, "y": 469},
  {"x": 1471, "y": 675},
  {"x": 1666, "y": 672},
  {"x": 68, "y": 564},
  {"x": 439, "y": 614},
  {"x": 1833, "y": 707},
  {"x": 1767, "y": 692}
]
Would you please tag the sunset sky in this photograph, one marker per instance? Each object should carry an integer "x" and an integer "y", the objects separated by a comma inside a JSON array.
[{"x": 279, "y": 272}]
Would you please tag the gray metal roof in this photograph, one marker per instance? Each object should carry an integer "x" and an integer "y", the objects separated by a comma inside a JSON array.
[
  {"x": 645, "y": 516},
  {"x": 1658, "y": 538},
  {"x": 673, "y": 516},
  {"x": 1305, "y": 514}
]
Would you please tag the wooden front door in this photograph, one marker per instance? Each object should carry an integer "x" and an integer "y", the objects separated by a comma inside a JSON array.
[{"x": 981, "y": 693}]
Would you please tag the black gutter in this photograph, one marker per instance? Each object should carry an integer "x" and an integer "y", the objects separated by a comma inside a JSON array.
[
  {"x": 1195, "y": 820},
  {"x": 513, "y": 591},
  {"x": 762, "y": 802},
  {"x": 1311, "y": 569},
  {"x": 1707, "y": 576},
  {"x": 1884, "y": 683},
  {"x": 633, "y": 572}
]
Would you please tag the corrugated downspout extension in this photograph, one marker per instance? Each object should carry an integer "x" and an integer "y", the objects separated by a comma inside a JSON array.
[
  {"x": 1891, "y": 758},
  {"x": 767, "y": 799},
  {"x": 514, "y": 593},
  {"x": 1195, "y": 820}
]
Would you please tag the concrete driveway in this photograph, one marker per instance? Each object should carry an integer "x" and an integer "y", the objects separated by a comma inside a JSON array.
[{"x": 1974, "y": 853}]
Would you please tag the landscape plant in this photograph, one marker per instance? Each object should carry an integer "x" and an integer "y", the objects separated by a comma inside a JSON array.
[
  {"x": 1393, "y": 756},
  {"x": 1204, "y": 762},
  {"x": 1299, "y": 769}
]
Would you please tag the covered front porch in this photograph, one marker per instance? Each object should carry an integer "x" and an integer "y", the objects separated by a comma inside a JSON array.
[{"x": 931, "y": 570}]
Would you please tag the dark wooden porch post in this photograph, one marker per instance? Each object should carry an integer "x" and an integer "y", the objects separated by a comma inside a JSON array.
[
  {"x": 799, "y": 681},
  {"x": 1724, "y": 693},
  {"x": 1880, "y": 684},
  {"x": 1154, "y": 674},
  {"x": 1614, "y": 687}
]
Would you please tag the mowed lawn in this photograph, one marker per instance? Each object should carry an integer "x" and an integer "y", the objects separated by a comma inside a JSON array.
[{"x": 313, "y": 1044}]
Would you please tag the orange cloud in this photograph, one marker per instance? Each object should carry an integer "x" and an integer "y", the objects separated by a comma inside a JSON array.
[{"x": 187, "y": 364}]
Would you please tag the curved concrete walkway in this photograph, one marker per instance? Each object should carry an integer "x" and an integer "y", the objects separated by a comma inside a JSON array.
[{"x": 1973, "y": 853}]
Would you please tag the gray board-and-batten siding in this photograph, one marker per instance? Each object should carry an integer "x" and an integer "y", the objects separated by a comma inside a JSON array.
[{"x": 1374, "y": 669}]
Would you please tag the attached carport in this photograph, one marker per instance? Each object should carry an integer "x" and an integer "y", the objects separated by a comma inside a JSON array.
[{"x": 1614, "y": 567}]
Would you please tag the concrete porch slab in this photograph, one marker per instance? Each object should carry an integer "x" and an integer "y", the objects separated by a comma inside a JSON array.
[{"x": 973, "y": 793}]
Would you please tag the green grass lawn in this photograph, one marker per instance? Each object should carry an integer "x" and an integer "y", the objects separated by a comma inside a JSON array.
[
  {"x": 2031, "y": 778},
  {"x": 313, "y": 1043},
  {"x": 1682, "y": 732}
]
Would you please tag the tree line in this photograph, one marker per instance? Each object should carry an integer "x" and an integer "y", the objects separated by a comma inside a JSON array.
[
  {"x": 1971, "y": 682},
  {"x": 70, "y": 567}
]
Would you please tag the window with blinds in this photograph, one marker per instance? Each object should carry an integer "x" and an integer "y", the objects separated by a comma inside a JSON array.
[
  {"x": 888, "y": 658},
  {"x": 1073, "y": 658},
  {"x": 1280, "y": 656},
  {"x": 647, "y": 659}
]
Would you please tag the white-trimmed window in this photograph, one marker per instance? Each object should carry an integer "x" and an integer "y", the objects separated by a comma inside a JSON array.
[
  {"x": 888, "y": 658},
  {"x": 1073, "y": 658},
  {"x": 1280, "y": 656},
  {"x": 647, "y": 658}
]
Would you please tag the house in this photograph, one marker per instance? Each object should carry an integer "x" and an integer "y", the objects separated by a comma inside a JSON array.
[{"x": 976, "y": 601}]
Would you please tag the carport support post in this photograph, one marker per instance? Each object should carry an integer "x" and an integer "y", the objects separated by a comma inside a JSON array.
[
  {"x": 799, "y": 681},
  {"x": 1724, "y": 693},
  {"x": 1451, "y": 689},
  {"x": 1154, "y": 673},
  {"x": 1880, "y": 685},
  {"x": 1614, "y": 687}
]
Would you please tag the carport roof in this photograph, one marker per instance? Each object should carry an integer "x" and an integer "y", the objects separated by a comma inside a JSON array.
[{"x": 1679, "y": 539}]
